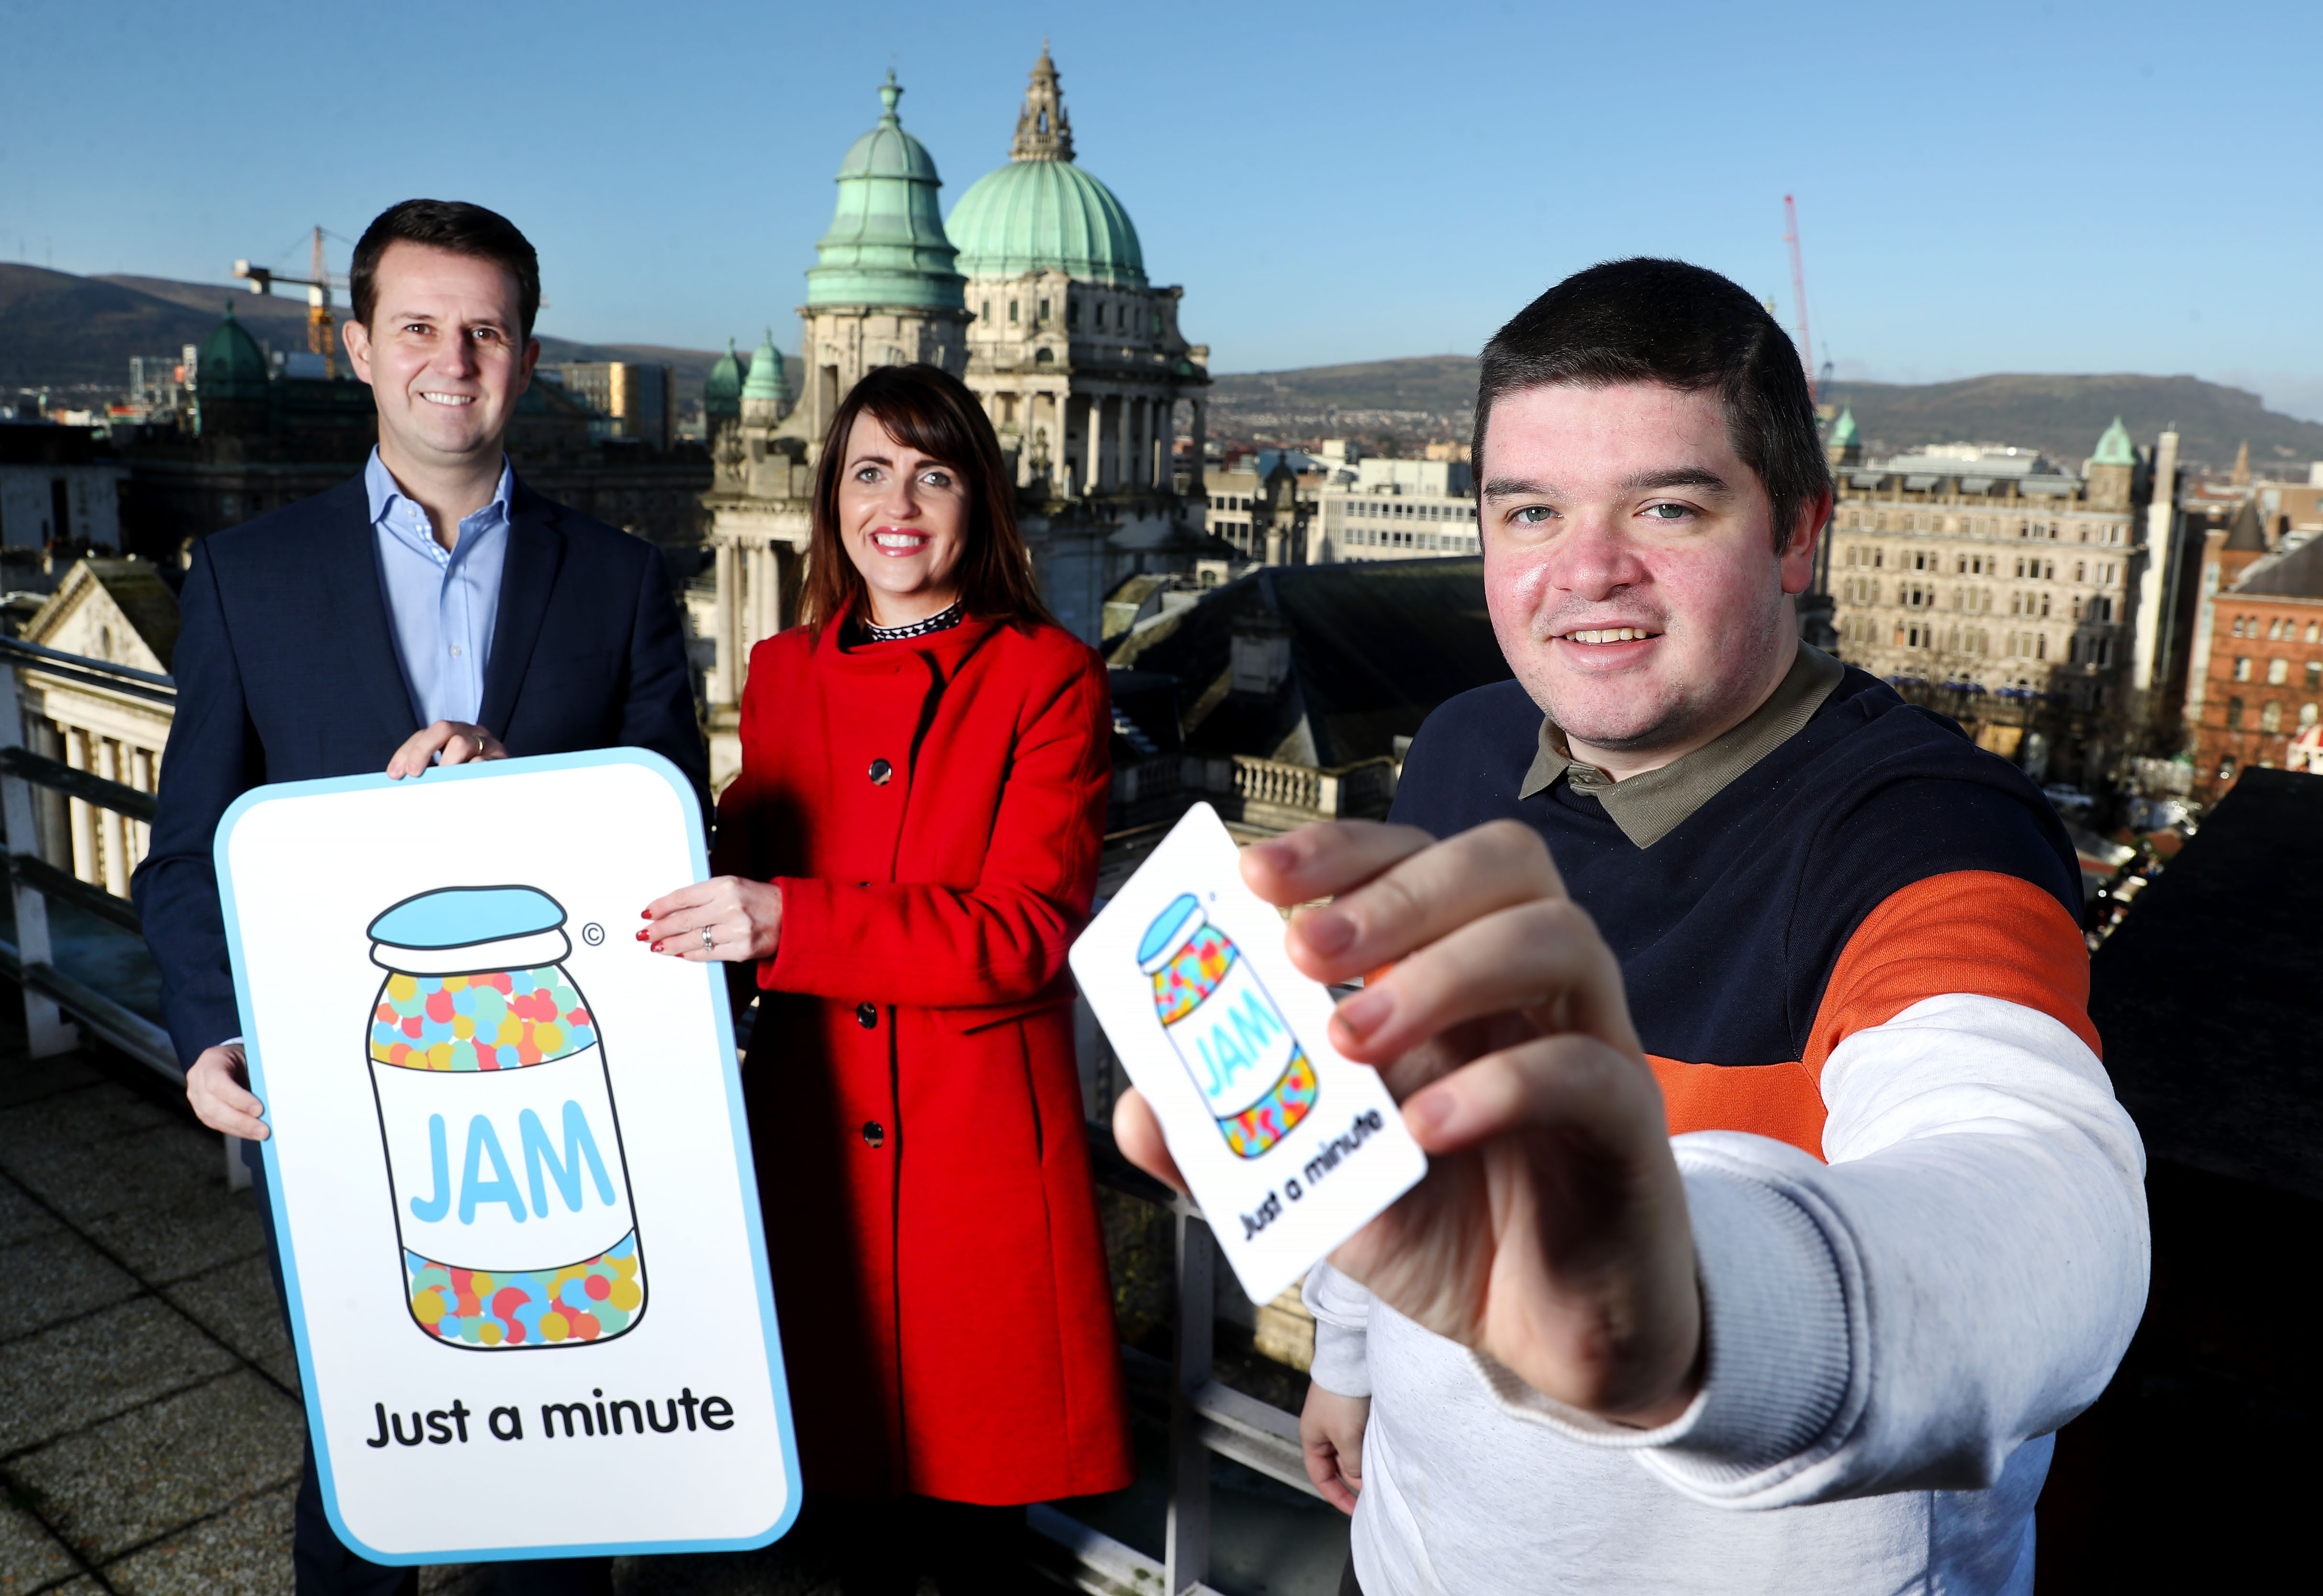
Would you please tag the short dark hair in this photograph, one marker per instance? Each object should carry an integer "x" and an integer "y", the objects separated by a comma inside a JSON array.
[
  {"x": 1645, "y": 320},
  {"x": 926, "y": 408},
  {"x": 452, "y": 225}
]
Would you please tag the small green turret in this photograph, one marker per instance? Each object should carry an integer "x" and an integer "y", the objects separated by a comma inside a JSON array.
[{"x": 722, "y": 396}]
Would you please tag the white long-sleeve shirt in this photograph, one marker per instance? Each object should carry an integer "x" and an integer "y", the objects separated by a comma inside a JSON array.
[{"x": 1894, "y": 1336}]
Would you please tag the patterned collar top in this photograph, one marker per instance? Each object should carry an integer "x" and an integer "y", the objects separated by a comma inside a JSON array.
[{"x": 943, "y": 620}]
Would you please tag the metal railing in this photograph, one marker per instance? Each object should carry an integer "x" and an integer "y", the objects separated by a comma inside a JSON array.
[
  {"x": 50, "y": 994},
  {"x": 1205, "y": 1415}
]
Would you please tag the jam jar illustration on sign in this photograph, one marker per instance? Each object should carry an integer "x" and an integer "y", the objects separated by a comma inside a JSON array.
[
  {"x": 503, "y": 1152},
  {"x": 1229, "y": 1035}
]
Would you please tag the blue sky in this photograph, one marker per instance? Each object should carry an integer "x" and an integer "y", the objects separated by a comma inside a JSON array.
[{"x": 2056, "y": 187}]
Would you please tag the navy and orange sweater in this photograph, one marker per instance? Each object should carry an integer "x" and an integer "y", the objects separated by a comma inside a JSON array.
[
  {"x": 1850, "y": 943},
  {"x": 1872, "y": 859}
]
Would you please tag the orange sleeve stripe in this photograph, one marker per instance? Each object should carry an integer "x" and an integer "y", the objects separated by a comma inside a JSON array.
[
  {"x": 1777, "y": 1100},
  {"x": 1970, "y": 931}
]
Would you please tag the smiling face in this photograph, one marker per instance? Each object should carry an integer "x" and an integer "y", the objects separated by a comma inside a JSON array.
[
  {"x": 446, "y": 356},
  {"x": 903, "y": 518},
  {"x": 1631, "y": 568}
]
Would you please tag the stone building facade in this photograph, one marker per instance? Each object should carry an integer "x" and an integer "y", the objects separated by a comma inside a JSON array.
[
  {"x": 121, "y": 611},
  {"x": 1988, "y": 566}
]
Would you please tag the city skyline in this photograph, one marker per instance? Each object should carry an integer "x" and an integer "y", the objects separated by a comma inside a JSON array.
[{"x": 2064, "y": 188}]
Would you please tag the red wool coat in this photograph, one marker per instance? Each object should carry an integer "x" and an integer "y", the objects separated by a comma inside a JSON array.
[{"x": 932, "y": 810}]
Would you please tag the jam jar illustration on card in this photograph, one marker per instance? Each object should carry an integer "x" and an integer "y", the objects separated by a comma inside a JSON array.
[
  {"x": 503, "y": 1151},
  {"x": 1226, "y": 1028}
]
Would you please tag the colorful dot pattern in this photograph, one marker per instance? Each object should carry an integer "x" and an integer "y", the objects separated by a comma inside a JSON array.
[
  {"x": 497, "y": 1019},
  {"x": 1200, "y": 965},
  {"x": 1269, "y": 1119},
  {"x": 587, "y": 1301}
]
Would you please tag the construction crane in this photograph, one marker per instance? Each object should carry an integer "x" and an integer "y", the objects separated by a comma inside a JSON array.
[
  {"x": 322, "y": 331},
  {"x": 1799, "y": 293}
]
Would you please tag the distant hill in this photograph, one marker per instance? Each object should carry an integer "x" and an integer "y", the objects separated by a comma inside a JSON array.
[
  {"x": 1433, "y": 396},
  {"x": 1434, "y": 384},
  {"x": 60, "y": 330},
  {"x": 2063, "y": 415}
]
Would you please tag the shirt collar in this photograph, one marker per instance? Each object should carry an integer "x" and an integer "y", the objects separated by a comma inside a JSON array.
[
  {"x": 1650, "y": 805},
  {"x": 381, "y": 488}
]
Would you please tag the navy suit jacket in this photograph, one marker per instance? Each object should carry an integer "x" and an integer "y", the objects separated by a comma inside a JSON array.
[{"x": 287, "y": 670}]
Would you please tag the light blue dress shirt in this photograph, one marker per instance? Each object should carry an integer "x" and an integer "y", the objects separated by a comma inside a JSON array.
[{"x": 443, "y": 601}]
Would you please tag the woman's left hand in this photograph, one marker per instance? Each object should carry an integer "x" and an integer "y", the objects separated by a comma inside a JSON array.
[{"x": 743, "y": 920}]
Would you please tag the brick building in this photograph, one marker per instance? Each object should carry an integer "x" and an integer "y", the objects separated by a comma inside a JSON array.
[{"x": 2258, "y": 684}]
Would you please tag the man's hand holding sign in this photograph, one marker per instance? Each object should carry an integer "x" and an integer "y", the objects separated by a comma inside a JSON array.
[{"x": 1551, "y": 1233}]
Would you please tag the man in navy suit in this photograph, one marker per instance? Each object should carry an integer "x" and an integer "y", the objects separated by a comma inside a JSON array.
[{"x": 432, "y": 610}]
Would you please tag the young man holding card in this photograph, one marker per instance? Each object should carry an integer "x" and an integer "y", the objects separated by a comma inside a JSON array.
[
  {"x": 1779, "y": 1208},
  {"x": 430, "y": 608}
]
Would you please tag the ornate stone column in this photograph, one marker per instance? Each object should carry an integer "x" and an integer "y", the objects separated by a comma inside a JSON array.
[{"x": 730, "y": 636}]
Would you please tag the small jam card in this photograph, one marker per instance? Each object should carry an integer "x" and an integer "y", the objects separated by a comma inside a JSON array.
[{"x": 1289, "y": 1148}]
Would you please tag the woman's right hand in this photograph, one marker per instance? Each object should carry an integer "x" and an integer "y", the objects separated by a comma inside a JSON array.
[
  {"x": 1331, "y": 1435},
  {"x": 744, "y": 919}
]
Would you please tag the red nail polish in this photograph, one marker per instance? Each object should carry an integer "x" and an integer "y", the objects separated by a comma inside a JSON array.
[
  {"x": 643, "y": 935},
  {"x": 645, "y": 914},
  {"x": 657, "y": 947}
]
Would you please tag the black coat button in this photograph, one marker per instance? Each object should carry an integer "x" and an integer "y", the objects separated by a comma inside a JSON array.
[
  {"x": 880, "y": 771},
  {"x": 872, "y": 1134},
  {"x": 867, "y": 1016}
]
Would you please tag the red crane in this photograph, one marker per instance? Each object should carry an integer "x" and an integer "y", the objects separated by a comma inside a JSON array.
[{"x": 1799, "y": 292}]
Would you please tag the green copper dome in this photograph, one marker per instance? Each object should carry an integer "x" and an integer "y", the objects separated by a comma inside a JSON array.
[
  {"x": 766, "y": 373},
  {"x": 886, "y": 243},
  {"x": 2114, "y": 448},
  {"x": 1842, "y": 431},
  {"x": 722, "y": 396},
  {"x": 230, "y": 365},
  {"x": 1042, "y": 213},
  {"x": 1035, "y": 214}
]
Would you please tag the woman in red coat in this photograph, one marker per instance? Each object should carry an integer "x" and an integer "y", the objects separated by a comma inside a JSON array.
[{"x": 910, "y": 848}]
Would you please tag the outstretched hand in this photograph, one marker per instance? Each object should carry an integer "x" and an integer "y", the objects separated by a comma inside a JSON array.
[{"x": 1550, "y": 1231}]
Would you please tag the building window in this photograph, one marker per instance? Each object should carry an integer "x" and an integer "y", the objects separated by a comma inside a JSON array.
[
  {"x": 2314, "y": 675},
  {"x": 2277, "y": 672},
  {"x": 1073, "y": 313},
  {"x": 987, "y": 311},
  {"x": 1012, "y": 313},
  {"x": 2242, "y": 668},
  {"x": 2315, "y": 631},
  {"x": 2234, "y": 714},
  {"x": 2270, "y": 717},
  {"x": 1044, "y": 310}
]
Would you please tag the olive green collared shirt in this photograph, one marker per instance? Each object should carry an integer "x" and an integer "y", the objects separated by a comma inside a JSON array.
[{"x": 1650, "y": 805}]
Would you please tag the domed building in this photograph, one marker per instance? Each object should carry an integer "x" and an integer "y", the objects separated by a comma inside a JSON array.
[
  {"x": 722, "y": 395},
  {"x": 1075, "y": 354},
  {"x": 230, "y": 380},
  {"x": 1035, "y": 293},
  {"x": 883, "y": 291}
]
